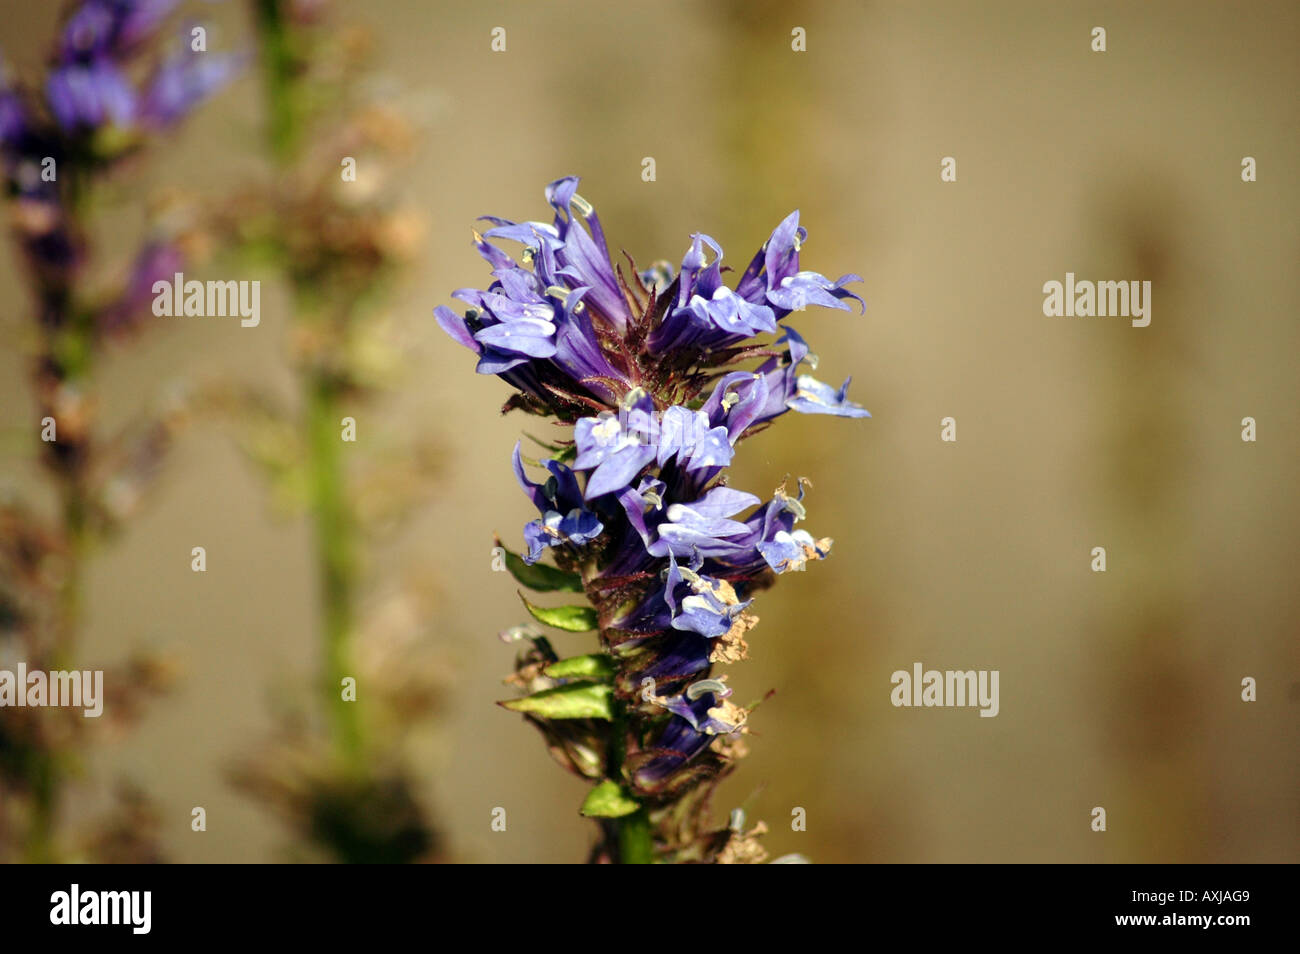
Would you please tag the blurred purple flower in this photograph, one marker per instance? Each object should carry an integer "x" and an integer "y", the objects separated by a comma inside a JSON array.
[
  {"x": 90, "y": 95},
  {"x": 183, "y": 82},
  {"x": 100, "y": 28},
  {"x": 156, "y": 261},
  {"x": 88, "y": 87}
]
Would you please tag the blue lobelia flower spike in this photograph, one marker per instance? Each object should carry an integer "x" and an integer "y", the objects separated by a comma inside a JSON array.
[{"x": 635, "y": 510}]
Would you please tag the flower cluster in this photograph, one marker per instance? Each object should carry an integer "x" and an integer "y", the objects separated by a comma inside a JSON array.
[
  {"x": 107, "y": 87},
  {"x": 90, "y": 88},
  {"x": 105, "y": 92},
  {"x": 635, "y": 508}
]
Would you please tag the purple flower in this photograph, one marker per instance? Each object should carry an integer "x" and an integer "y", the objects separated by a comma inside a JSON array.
[
  {"x": 613, "y": 452},
  {"x": 788, "y": 389},
  {"x": 87, "y": 90},
  {"x": 710, "y": 606},
  {"x": 184, "y": 81},
  {"x": 616, "y": 447},
  {"x": 89, "y": 95},
  {"x": 643, "y": 364},
  {"x": 565, "y": 519},
  {"x": 88, "y": 87},
  {"x": 156, "y": 260},
  {"x": 711, "y": 316},
  {"x": 812, "y": 397},
  {"x": 573, "y": 331},
  {"x": 700, "y": 715},
  {"x": 703, "y": 527},
  {"x": 99, "y": 28},
  {"x": 774, "y": 274},
  {"x": 15, "y": 120}
]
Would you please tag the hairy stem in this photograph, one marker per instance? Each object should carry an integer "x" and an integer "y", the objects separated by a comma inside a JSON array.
[
  {"x": 631, "y": 840},
  {"x": 628, "y": 840}
]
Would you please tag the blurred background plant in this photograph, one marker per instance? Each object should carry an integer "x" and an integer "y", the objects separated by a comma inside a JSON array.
[
  {"x": 117, "y": 79},
  {"x": 325, "y": 217}
]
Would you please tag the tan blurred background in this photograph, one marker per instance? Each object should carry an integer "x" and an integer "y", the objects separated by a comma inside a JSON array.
[{"x": 1119, "y": 690}]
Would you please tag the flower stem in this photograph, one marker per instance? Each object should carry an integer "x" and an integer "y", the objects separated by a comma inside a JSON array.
[
  {"x": 628, "y": 840},
  {"x": 278, "y": 67},
  {"x": 65, "y": 361},
  {"x": 631, "y": 840},
  {"x": 46, "y": 766},
  {"x": 332, "y": 518},
  {"x": 335, "y": 557},
  {"x": 635, "y": 843}
]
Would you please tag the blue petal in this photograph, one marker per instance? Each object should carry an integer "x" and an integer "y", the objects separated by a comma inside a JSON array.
[
  {"x": 618, "y": 470},
  {"x": 813, "y": 397},
  {"x": 534, "y": 337},
  {"x": 455, "y": 326}
]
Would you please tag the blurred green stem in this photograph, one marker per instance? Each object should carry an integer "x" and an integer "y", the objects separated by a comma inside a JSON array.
[
  {"x": 66, "y": 361},
  {"x": 45, "y": 769},
  {"x": 334, "y": 525},
  {"x": 335, "y": 557},
  {"x": 46, "y": 764},
  {"x": 278, "y": 69}
]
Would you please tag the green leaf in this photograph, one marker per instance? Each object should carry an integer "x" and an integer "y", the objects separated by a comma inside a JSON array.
[
  {"x": 580, "y": 700},
  {"x": 539, "y": 576},
  {"x": 608, "y": 800},
  {"x": 573, "y": 619},
  {"x": 595, "y": 666}
]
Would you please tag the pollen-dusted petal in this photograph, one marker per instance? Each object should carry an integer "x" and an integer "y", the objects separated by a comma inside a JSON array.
[
  {"x": 731, "y": 647},
  {"x": 743, "y": 848},
  {"x": 791, "y": 551},
  {"x": 726, "y": 718},
  {"x": 730, "y": 747}
]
